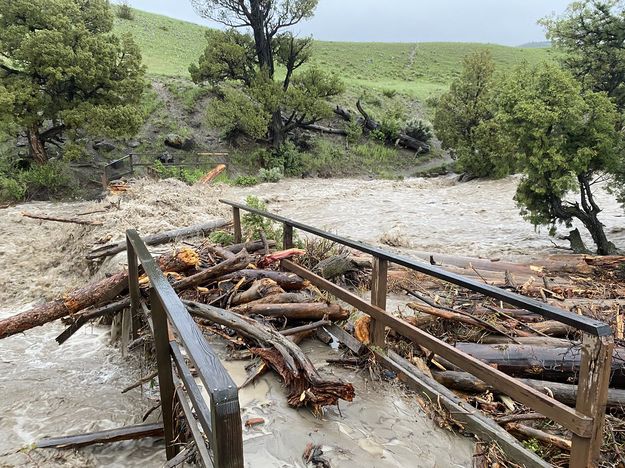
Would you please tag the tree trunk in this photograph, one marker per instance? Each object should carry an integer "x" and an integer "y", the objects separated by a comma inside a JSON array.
[
  {"x": 37, "y": 147},
  {"x": 277, "y": 131},
  {"x": 306, "y": 386},
  {"x": 306, "y": 311}
]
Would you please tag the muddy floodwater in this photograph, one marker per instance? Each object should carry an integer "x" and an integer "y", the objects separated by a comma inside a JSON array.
[{"x": 51, "y": 390}]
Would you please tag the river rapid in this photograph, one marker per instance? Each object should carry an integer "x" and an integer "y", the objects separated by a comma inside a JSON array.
[{"x": 51, "y": 390}]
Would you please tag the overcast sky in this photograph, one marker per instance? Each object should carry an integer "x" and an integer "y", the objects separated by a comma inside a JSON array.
[{"x": 511, "y": 22}]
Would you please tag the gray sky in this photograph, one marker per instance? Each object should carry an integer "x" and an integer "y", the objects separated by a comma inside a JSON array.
[{"x": 511, "y": 22}]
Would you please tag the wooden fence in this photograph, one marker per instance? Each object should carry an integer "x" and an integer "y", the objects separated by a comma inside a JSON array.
[
  {"x": 220, "y": 417},
  {"x": 585, "y": 421}
]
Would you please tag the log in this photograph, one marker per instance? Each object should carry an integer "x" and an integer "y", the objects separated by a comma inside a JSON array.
[
  {"x": 259, "y": 289},
  {"x": 288, "y": 281},
  {"x": 308, "y": 311},
  {"x": 565, "y": 393},
  {"x": 343, "y": 113},
  {"x": 553, "y": 328},
  {"x": 161, "y": 238},
  {"x": 212, "y": 174},
  {"x": 251, "y": 247},
  {"x": 91, "y": 295},
  {"x": 285, "y": 298},
  {"x": 532, "y": 433},
  {"x": 306, "y": 386},
  {"x": 544, "y": 362},
  {"x": 80, "y": 320},
  {"x": 217, "y": 250},
  {"x": 460, "y": 317},
  {"x": 305, "y": 328},
  {"x": 322, "y": 129},
  {"x": 112, "y": 435},
  {"x": 241, "y": 260},
  {"x": 403, "y": 139},
  {"x": 335, "y": 266},
  {"x": 62, "y": 220}
]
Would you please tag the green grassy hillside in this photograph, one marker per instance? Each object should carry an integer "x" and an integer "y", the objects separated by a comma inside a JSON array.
[{"x": 420, "y": 69}]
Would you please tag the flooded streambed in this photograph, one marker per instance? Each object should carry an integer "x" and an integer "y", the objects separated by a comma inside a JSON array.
[{"x": 50, "y": 390}]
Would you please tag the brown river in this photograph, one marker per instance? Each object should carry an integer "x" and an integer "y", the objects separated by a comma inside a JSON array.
[{"x": 51, "y": 390}]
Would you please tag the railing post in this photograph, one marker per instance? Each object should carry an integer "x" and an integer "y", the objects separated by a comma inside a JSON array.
[
  {"x": 592, "y": 394},
  {"x": 378, "y": 298},
  {"x": 133, "y": 287},
  {"x": 227, "y": 443},
  {"x": 287, "y": 236},
  {"x": 165, "y": 380},
  {"x": 236, "y": 221}
]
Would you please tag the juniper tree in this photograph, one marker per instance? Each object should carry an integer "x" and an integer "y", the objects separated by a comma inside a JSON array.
[{"x": 61, "y": 70}]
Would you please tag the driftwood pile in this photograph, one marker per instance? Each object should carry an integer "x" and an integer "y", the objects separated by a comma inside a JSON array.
[
  {"x": 542, "y": 353},
  {"x": 236, "y": 292}
]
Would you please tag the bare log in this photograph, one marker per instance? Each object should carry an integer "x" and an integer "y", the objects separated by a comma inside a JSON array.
[
  {"x": 532, "y": 433},
  {"x": 328, "y": 130},
  {"x": 251, "y": 247},
  {"x": 259, "y": 289},
  {"x": 241, "y": 260},
  {"x": 217, "y": 250},
  {"x": 288, "y": 281},
  {"x": 308, "y": 311},
  {"x": 565, "y": 393},
  {"x": 111, "y": 435},
  {"x": 285, "y": 298},
  {"x": 544, "y": 362},
  {"x": 209, "y": 176},
  {"x": 62, "y": 220},
  {"x": 161, "y": 238},
  {"x": 305, "y": 384}
]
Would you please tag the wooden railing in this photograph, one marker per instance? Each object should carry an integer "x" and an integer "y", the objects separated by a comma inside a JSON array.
[
  {"x": 220, "y": 418},
  {"x": 585, "y": 421}
]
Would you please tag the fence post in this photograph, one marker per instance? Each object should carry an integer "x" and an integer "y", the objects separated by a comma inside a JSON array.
[
  {"x": 236, "y": 221},
  {"x": 592, "y": 394},
  {"x": 378, "y": 298},
  {"x": 227, "y": 440},
  {"x": 287, "y": 236},
  {"x": 133, "y": 287},
  {"x": 165, "y": 379}
]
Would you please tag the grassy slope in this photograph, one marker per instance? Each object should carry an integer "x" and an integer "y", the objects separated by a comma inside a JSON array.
[{"x": 418, "y": 70}]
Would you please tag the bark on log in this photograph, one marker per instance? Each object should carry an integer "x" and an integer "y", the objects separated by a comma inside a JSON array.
[
  {"x": 322, "y": 129},
  {"x": 161, "y": 238},
  {"x": 553, "y": 328},
  {"x": 305, "y": 384},
  {"x": 546, "y": 363},
  {"x": 288, "y": 281},
  {"x": 309, "y": 311},
  {"x": 89, "y": 296},
  {"x": 335, "y": 266},
  {"x": 565, "y": 393}
]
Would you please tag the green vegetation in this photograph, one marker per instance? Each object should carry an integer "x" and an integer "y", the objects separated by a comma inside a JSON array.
[
  {"x": 591, "y": 35},
  {"x": 64, "y": 73},
  {"x": 418, "y": 70},
  {"x": 187, "y": 175}
]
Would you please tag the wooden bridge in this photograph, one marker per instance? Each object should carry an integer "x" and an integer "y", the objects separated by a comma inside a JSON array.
[{"x": 216, "y": 424}]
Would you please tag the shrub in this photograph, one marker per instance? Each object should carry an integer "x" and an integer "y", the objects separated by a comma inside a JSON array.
[
  {"x": 11, "y": 190},
  {"x": 53, "y": 179},
  {"x": 221, "y": 238},
  {"x": 389, "y": 93},
  {"x": 354, "y": 131},
  {"x": 419, "y": 129},
  {"x": 270, "y": 175},
  {"x": 245, "y": 181},
  {"x": 187, "y": 175},
  {"x": 125, "y": 12}
]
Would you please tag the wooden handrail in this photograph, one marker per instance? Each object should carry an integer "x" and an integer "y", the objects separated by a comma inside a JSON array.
[
  {"x": 585, "y": 324},
  {"x": 222, "y": 422}
]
